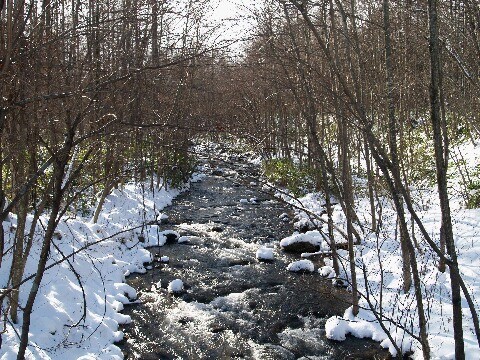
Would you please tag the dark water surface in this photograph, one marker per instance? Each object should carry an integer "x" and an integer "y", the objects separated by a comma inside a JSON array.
[{"x": 233, "y": 307}]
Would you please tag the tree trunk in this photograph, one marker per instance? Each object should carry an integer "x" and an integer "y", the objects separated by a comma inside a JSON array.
[
  {"x": 347, "y": 188},
  {"x": 441, "y": 169},
  {"x": 58, "y": 174},
  {"x": 371, "y": 185},
  {"x": 407, "y": 276}
]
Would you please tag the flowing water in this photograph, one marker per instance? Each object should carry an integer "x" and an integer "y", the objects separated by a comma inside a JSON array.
[{"x": 233, "y": 306}]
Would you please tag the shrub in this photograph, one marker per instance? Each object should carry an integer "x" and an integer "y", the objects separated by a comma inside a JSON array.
[
  {"x": 473, "y": 196},
  {"x": 284, "y": 172}
]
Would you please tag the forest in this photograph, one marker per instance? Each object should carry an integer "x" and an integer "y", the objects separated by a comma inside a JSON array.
[{"x": 361, "y": 117}]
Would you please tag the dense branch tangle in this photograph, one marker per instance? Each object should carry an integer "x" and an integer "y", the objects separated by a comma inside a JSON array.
[
  {"x": 84, "y": 86},
  {"x": 349, "y": 80}
]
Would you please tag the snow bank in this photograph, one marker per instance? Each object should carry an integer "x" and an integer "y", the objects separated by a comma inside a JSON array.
[
  {"x": 58, "y": 329},
  {"x": 336, "y": 328},
  {"x": 327, "y": 271},
  {"x": 393, "y": 302}
]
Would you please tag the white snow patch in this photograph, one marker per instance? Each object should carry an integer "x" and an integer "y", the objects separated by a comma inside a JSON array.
[
  {"x": 336, "y": 328},
  {"x": 265, "y": 254},
  {"x": 188, "y": 239},
  {"x": 327, "y": 271},
  {"x": 175, "y": 286},
  {"x": 301, "y": 265},
  {"x": 102, "y": 268},
  {"x": 163, "y": 217},
  {"x": 312, "y": 237},
  {"x": 183, "y": 239}
]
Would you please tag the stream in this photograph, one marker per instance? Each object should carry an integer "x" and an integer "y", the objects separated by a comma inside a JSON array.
[{"x": 233, "y": 305}]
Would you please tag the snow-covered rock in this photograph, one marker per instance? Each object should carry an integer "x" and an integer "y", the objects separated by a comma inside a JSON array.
[
  {"x": 175, "y": 286},
  {"x": 265, "y": 254},
  {"x": 309, "y": 242},
  {"x": 164, "y": 259},
  {"x": 183, "y": 239},
  {"x": 301, "y": 265},
  {"x": 171, "y": 236},
  {"x": 327, "y": 271},
  {"x": 243, "y": 201},
  {"x": 304, "y": 225}
]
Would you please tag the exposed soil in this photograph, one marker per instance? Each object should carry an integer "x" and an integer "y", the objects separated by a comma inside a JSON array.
[{"x": 233, "y": 306}]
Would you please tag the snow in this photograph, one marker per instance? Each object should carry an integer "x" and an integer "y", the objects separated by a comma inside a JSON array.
[
  {"x": 301, "y": 265},
  {"x": 59, "y": 304},
  {"x": 189, "y": 239},
  {"x": 243, "y": 201},
  {"x": 164, "y": 259},
  {"x": 175, "y": 286},
  {"x": 306, "y": 255},
  {"x": 383, "y": 252},
  {"x": 336, "y": 328},
  {"x": 312, "y": 237},
  {"x": 327, "y": 271},
  {"x": 113, "y": 250},
  {"x": 183, "y": 239},
  {"x": 265, "y": 254}
]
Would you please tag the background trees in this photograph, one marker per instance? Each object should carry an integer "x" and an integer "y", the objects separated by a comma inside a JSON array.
[
  {"x": 355, "y": 77},
  {"x": 97, "y": 93},
  {"x": 93, "y": 94}
]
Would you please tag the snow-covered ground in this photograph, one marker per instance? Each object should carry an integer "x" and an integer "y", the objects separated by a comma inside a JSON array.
[
  {"x": 63, "y": 327},
  {"x": 380, "y": 256},
  {"x": 78, "y": 308}
]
